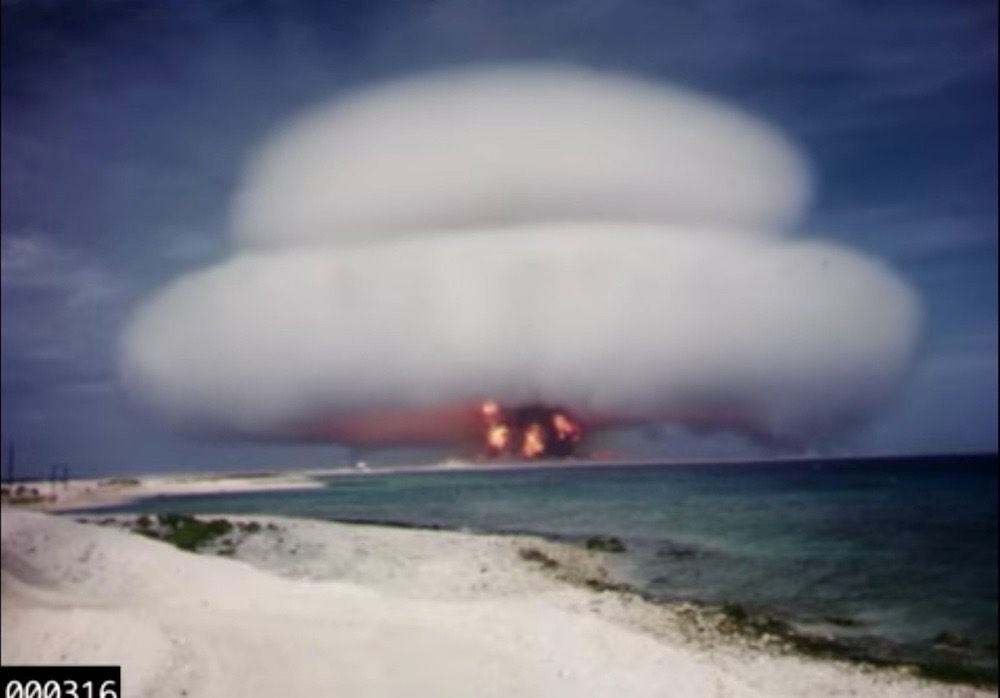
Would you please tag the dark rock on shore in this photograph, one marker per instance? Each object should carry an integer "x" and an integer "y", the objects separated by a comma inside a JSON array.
[
  {"x": 606, "y": 544},
  {"x": 602, "y": 585},
  {"x": 536, "y": 555},
  {"x": 738, "y": 618},
  {"x": 950, "y": 638},
  {"x": 735, "y": 612},
  {"x": 676, "y": 551}
]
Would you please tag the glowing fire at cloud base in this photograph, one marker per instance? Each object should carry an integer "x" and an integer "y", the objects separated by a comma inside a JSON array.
[{"x": 532, "y": 431}]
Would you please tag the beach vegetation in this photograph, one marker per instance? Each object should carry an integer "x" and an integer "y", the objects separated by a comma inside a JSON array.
[
  {"x": 953, "y": 672},
  {"x": 185, "y": 532},
  {"x": 22, "y": 495},
  {"x": 736, "y": 619}
]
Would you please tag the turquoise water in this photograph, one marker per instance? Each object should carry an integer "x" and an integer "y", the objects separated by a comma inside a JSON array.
[{"x": 901, "y": 548}]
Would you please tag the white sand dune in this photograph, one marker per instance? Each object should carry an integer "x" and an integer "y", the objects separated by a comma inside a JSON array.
[{"x": 320, "y": 609}]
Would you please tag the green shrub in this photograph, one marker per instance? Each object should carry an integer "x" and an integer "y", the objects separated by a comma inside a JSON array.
[{"x": 189, "y": 533}]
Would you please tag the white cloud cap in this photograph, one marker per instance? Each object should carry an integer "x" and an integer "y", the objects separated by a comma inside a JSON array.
[{"x": 511, "y": 145}]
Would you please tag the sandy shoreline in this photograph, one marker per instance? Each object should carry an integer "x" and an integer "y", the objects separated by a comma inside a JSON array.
[
  {"x": 83, "y": 493},
  {"x": 86, "y": 493},
  {"x": 315, "y": 608}
]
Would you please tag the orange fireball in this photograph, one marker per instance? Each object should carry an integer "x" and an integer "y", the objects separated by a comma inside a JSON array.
[
  {"x": 498, "y": 438},
  {"x": 529, "y": 431},
  {"x": 533, "y": 441},
  {"x": 566, "y": 428}
]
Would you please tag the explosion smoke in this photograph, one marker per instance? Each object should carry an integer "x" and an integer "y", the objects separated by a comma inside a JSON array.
[{"x": 538, "y": 237}]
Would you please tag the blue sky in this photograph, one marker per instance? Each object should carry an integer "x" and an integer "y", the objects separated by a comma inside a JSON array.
[{"x": 125, "y": 125}]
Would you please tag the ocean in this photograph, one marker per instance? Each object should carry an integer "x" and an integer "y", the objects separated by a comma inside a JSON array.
[{"x": 883, "y": 553}]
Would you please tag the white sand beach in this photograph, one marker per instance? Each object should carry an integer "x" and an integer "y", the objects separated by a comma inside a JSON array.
[{"x": 303, "y": 608}]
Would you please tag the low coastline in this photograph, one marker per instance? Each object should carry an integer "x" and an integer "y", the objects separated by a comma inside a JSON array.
[
  {"x": 92, "y": 493},
  {"x": 448, "y": 567},
  {"x": 95, "y": 492}
]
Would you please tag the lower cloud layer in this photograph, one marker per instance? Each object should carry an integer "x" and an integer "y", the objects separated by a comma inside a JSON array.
[{"x": 784, "y": 339}]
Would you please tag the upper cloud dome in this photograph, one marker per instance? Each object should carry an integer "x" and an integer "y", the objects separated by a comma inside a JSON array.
[{"x": 510, "y": 145}]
